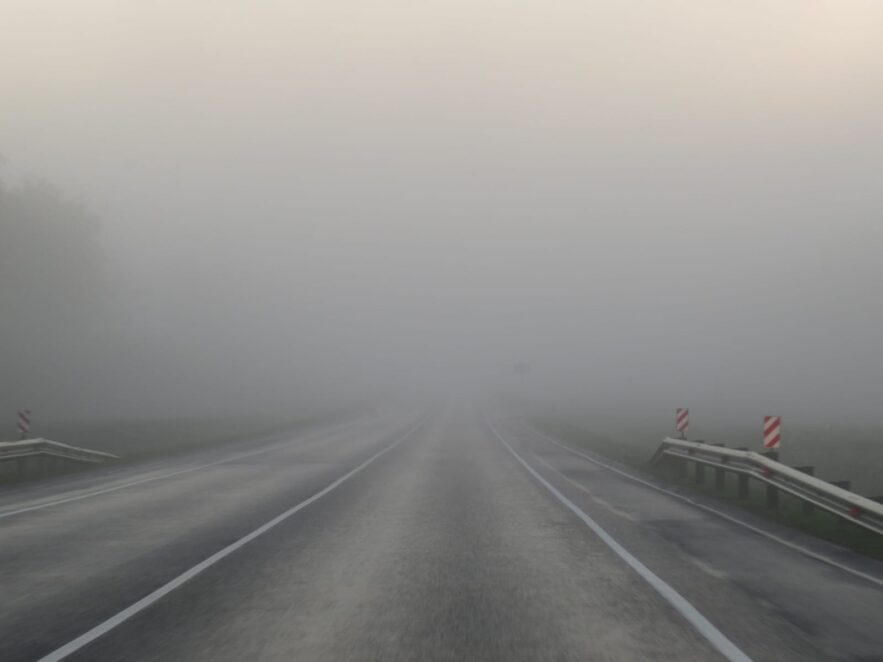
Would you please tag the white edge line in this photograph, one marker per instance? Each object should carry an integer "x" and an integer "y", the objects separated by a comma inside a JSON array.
[
  {"x": 150, "y": 479},
  {"x": 702, "y": 625},
  {"x": 127, "y": 613},
  {"x": 735, "y": 520}
]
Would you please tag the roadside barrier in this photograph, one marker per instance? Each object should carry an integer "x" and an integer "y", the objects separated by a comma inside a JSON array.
[
  {"x": 777, "y": 477},
  {"x": 39, "y": 457}
]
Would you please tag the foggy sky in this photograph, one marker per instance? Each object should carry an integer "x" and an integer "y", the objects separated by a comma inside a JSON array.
[{"x": 655, "y": 203}]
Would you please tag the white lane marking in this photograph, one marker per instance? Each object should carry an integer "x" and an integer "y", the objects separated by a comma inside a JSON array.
[
  {"x": 601, "y": 502},
  {"x": 613, "y": 509},
  {"x": 707, "y": 568},
  {"x": 766, "y": 534},
  {"x": 714, "y": 572},
  {"x": 127, "y": 613},
  {"x": 702, "y": 625},
  {"x": 570, "y": 480},
  {"x": 150, "y": 479}
]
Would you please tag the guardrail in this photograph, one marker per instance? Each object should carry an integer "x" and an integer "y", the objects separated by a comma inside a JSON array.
[
  {"x": 20, "y": 450},
  {"x": 747, "y": 465}
]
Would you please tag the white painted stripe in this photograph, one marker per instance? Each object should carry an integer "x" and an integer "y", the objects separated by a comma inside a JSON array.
[
  {"x": 702, "y": 625},
  {"x": 130, "y": 611},
  {"x": 701, "y": 506},
  {"x": 150, "y": 479}
]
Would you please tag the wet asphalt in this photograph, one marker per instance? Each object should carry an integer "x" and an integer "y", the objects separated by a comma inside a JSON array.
[{"x": 443, "y": 547}]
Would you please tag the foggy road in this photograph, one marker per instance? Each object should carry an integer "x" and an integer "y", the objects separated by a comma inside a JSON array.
[
  {"x": 323, "y": 275},
  {"x": 455, "y": 536}
]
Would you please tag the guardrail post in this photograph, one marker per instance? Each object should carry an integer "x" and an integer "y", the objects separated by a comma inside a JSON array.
[
  {"x": 35, "y": 467},
  {"x": 720, "y": 474},
  {"x": 720, "y": 479},
  {"x": 700, "y": 473},
  {"x": 808, "y": 508},
  {"x": 743, "y": 486},
  {"x": 846, "y": 485},
  {"x": 682, "y": 468},
  {"x": 772, "y": 493}
]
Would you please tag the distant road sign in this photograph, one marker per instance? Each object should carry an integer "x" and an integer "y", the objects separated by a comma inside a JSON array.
[
  {"x": 24, "y": 422},
  {"x": 772, "y": 432},
  {"x": 682, "y": 420}
]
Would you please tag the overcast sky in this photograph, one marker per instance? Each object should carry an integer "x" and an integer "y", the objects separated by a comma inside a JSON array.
[{"x": 655, "y": 203}]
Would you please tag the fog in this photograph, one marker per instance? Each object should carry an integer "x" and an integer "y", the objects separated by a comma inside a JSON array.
[{"x": 650, "y": 203}]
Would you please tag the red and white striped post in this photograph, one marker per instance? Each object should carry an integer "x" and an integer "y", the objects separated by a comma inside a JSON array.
[
  {"x": 772, "y": 439},
  {"x": 24, "y": 422},
  {"x": 682, "y": 421},
  {"x": 772, "y": 432}
]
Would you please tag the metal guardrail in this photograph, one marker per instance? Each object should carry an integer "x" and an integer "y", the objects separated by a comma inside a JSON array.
[
  {"x": 777, "y": 477},
  {"x": 14, "y": 450}
]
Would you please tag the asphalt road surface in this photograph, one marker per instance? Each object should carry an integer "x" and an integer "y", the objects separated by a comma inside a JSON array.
[{"x": 451, "y": 536}]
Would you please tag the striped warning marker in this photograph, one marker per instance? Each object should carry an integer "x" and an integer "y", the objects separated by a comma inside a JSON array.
[
  {"x": 24, "y": 422},
  {"x": 772, "y": 432},
  {"x": 682, "y": 420}
]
